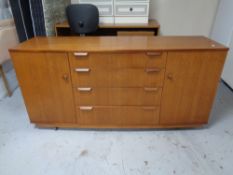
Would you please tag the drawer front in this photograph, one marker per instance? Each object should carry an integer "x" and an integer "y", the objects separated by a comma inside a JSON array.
[
  {"x": 132, "y": 9},
  {"x": 105, "y": 7},
  {"x": 115, "y": 61},
  {"x": 118, "y": 96},
  {"x": 95, "y": 1},
  {"x": 117, "y": 116},
  {"x": 105, "y": 10},
  {"x": 148, "y": 77},
  {"x": 131, "y": 20},
  {"x": 130, "y": 1},
  {"x": 106, "y": 20}
]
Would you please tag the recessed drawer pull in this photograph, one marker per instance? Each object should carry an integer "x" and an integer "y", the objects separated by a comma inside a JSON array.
[
  {"x": 82, "y": 70},
  {"x": 80, "y": 54},
  {"x": 151, "y": 89},
  {"x": 148, "y": 108},
  {"x": 154, "y": 53},
  {"x": 151, "y": 70},
  {"x": 88, "y": 89},
  {"x": 86, "y": 108}
]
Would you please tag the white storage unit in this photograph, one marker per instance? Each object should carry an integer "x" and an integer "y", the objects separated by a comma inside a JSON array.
[
  {"x": 121, "y": 11},
  {"x": 131, "y": 11}
]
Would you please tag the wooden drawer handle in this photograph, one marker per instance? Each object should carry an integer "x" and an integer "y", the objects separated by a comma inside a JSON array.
[
  {"x": 87, "y": 89},
  {"x": 86, "y": 108},
  {"x": 151, "y": 70},
  {"x": 154, "y": 53},
  {"x": 82, "y": 70},
  {"x": 80, "y": 54},
  {"x": 148, "y": 108},
  {"x": 151, "y": 89}
]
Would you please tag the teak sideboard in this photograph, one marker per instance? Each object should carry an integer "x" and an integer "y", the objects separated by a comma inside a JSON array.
[{"x": 119, "y": 82}]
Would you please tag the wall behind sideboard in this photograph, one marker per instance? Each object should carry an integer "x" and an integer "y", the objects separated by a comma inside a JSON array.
[{"x": 183, "y": 17}]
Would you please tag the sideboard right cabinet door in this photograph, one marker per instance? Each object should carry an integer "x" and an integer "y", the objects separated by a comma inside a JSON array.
[{"x": 190, "y": 86}]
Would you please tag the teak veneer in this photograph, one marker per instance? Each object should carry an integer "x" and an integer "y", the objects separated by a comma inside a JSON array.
[{"x": 119, "y": 82}]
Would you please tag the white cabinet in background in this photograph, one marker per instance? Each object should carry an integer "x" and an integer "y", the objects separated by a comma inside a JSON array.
[
  {"x": 131, "y": 13},
  {"x": 121, "y": 11}
]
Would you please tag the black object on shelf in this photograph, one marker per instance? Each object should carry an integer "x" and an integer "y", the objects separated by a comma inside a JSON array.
[{"x": 83, "y": 18}]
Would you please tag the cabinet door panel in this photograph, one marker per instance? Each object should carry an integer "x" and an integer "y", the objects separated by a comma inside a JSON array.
[
  {"x": 45, "y": 83},
  {"x": 190, "y": 85}
]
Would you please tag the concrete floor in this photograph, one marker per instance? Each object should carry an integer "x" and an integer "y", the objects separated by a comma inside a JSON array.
[{"x": 26, "y": 150}]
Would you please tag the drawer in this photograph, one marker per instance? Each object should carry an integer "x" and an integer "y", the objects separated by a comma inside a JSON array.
[
  {"x": 148, "y": 77},
  {"x": 105, "y": 10},
  {"x": 105, "y": 7},
  {"x": 117, "y": 116},
  {"x": 131, "y": 20},
  {"x": 131, "y": 1},
  {"x": 95, "y": 1},
  {"x": 116, "y": 61},
  {"x": 118, "y": 96},
  {"x": 132, "y": 9},
  {"x": 106, "y": 20}
]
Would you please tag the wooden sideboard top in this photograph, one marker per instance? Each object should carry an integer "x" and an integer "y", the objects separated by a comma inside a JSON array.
[{"x": 119, "y": 44}]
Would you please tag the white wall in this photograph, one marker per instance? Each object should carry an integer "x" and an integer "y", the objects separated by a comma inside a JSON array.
[
  {"x": 227, "y": 74},
  {"x": 184, "y": 17},
  {"x": 223, "y": 33},
  {"x": 223, "y": 25}
]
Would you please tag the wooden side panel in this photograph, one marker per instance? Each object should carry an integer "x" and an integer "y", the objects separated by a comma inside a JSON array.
[
  {"x": 190, "y": 85},
  {"x": 45, "y": 83}
]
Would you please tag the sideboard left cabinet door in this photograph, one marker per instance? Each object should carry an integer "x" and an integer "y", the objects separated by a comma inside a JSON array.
[
  {"x": 45, "y": 82},
  {"x": 190, "y": 86}
]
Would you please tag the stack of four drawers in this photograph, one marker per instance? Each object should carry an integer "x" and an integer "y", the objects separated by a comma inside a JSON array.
[{"x": 118, "y": 89}]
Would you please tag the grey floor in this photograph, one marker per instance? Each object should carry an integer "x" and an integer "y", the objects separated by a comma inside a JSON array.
[{"x": 26, "y": 150}]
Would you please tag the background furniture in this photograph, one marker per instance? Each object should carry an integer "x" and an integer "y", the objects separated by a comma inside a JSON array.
[
  {"x": 106, "y": 14},
  {"x": 119, "y": 82},
  {"x": 152, "y": 28},
  {"x": 122, "y": 11},
  {"x": 8, "y": 39},
  {"x": 223, "y": 33},
  {"x": 83, "y": 18}
]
